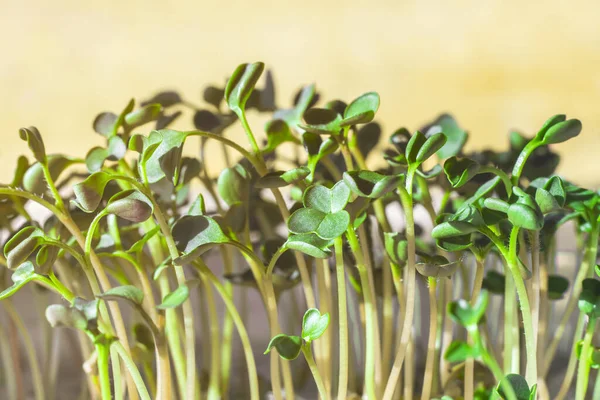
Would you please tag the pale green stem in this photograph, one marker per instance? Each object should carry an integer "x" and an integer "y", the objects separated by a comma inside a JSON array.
[
  {"x": 583, "y": 372},
  {"x": 430, "y": 369},
  {"x": 306, "y": 350},
  {"x": 133, "y": 370},
  {"x": 342, "y": 319}
]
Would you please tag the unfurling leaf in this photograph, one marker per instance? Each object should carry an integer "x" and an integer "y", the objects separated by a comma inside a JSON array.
[
  {"x": 88, "y": 193},
  {"x": 175, "y": 298},
  {"x": 459, "y": 351},
  {"x": 371, "y": 184},
  {"x": 196, "y": 234},
  {"x": 288, "y": 347},
  {"x": 519, "y": 386},
  {"x": 282, "y": 178},
  {"x": 34, "y": 140},
  {"x": 465, "y": 314},
  {"x": 241, "y": 84}
]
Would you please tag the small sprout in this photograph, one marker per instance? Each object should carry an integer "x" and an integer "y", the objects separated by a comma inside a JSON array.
[
  {"x": 241, "y": 84},
  {"x": 589, "y": 299},
  {"x": 459, "y": 351},
  {"x": 322, "y": 121},
  {"x": 35, "y": 142},
  {"x": 361, "y": 110},
  {"x": 465, "y": 314},
  {"x": 282, "y": 178},
  {"x": 371, "y": 184},
  {"x": 314, "y": 324}
]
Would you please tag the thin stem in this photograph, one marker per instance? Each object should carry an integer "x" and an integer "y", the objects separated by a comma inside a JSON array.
[
  {"x": 470, "y": 362},
  {"x": 522, "y": 159},
  {"x": 324, "y": 285},
  {"x": 9, "y": 372},
  {"x": 583, "y": 371},
  {"x": 370, "y": 338},
  {"x": 214, "y": 392},
  {"x": 430, "y": 369},
  {"x": 228, "y": 325},
  {"x": 511, "y": 330},
  {"x": 572, "y": 364},
  {"x": 103, "y": 363},
  {"x": 342, "y": 319},
  {"x": 407, "y": 204},
  {"x": 589, "y": 260},
  {"x": 249, "y": 134},
  {"x": 133, "y": 370},
  {"x": 239, "y": 324},
  {"x": 306, "y": 350}
]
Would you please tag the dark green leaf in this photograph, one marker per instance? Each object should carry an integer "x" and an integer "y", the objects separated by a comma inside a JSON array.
[
  {"x": 361, "y": 110},
  {"x": 494, "y": 282},
  {"x": 589, "y": 299},
  {"x": 162, "y": 157},
  {"x": 317, "y": 148},
  {"x": 396, "y": 247},
  {"x": 288, "y": 347},
  {"x": 526, "y": 217},
  {"x": 460, "y": 170},
  {"x": 550, "y": 122},
  {"x": 557, "y": 287},
  {"x": 278, "y": 132},
  {"x": 371, "y": 184},
  {"x": 413, "y": 146},
  {"x": 21, "y": 245},
  {"x": 431, "y": 146},
  {"x": 496, "y": 204},
  {"x": 518, "y": 384},
  {"x": 34, "y": 180},
  {"x": 88, "y": 193}
]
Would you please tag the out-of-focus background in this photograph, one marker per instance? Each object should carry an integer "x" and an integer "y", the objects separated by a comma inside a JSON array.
[{"x": 494, "y": 64}]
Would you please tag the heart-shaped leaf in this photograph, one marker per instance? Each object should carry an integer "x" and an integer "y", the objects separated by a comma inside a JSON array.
[
  {"x": 127, "y": 292},
  {"x": 325, "y": 225},
  {"x": 459, "y": 351},
  {"x": 460, "y": 170},
  {"x": 288, "y": 347},
  {"x": 589, "y": 299},
  {"x": 526, "y": 217},
  {"x": 34, "y": 140},
  {"x": 234, "y": 185},
  {"x": 282, "y": 178},
  {"x": 241, "y": 84},
  {"x": 175, "y": 298},
  {"x": 550, "y": 122},
  {"x": 327, "y": 200},
  {"x": 371, "y": 184},
  {"x": 309, "y": 244},
  {"x": 361, "y": 110},
  {"x": 131, "y": 205},
  {"x": 465, "y": 314},
  {"x": 196, "y": 234},
  {"x": 314, "y": 324}
]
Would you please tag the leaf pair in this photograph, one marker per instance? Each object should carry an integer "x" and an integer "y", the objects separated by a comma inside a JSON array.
[
  {"x": 589, "y": 299},
  {"x": 373, "y": 185},
  {"x": 524, "y": 213},
  {"x": 323, "y": 213},
  {"x": 81, "y": 315},
  {"x": 466, "y": 315},
  {"x": 29, "y": 240},
  {"x": 313, "y": 326}
]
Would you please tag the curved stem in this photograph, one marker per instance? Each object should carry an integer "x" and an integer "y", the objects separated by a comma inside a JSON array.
[
  {"x": 522, "y": 159},
  {"x": 306, "y": 350},
  {"x": 133, "y": 370}
]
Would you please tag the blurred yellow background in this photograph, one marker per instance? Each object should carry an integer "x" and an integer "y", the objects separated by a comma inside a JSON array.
[{"x": 494, "y": 64}]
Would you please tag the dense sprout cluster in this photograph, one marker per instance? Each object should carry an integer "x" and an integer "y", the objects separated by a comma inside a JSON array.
[{"x": 128, "y": 228}]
